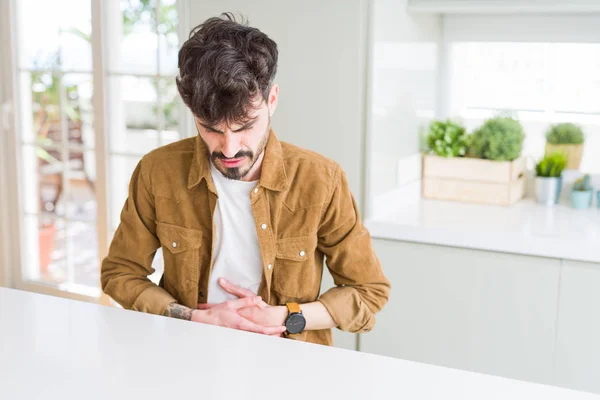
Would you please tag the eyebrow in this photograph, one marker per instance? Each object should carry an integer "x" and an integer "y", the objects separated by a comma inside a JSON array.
[{"x": 245, "y": 126}]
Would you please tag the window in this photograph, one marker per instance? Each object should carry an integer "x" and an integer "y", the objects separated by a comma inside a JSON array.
[
  {"x": 541, "y": 69},
  {"x": 538, "y": 83},
  {"x": 64, "y": 229}
]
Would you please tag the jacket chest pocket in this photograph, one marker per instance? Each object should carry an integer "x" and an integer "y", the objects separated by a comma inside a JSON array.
[
  {"x": 297, "y": 272},
  {"x": 181, "y": 251}
]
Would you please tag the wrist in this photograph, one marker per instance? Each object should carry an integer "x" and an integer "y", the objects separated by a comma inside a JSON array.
[
  {"x": 199, "y": 315},
  {"x": 280, "y": 315}
]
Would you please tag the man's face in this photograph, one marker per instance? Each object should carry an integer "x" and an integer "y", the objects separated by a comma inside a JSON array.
[{"x": 237, "y": 150}]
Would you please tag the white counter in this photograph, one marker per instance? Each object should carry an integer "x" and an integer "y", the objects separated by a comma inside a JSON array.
[
  {"x": 524, "y": 228},
  {"x": 53, "y": 348}
]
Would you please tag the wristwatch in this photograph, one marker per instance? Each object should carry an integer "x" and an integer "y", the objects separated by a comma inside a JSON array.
[{"x": 295, "y": 321}]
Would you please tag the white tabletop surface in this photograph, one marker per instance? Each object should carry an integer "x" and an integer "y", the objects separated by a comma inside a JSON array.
[
  {"x": 53, "y": 348},
  {"x": 524, "y": 228}
]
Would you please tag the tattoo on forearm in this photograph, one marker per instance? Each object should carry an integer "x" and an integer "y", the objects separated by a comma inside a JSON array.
[{"x": 178, "y": 311}]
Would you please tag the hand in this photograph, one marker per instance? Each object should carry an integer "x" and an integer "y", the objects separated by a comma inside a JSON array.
[
  {"x": 264, "y": 314},
  {"x": 238, "y": 291},
  {"x": 226, "y": 315}
]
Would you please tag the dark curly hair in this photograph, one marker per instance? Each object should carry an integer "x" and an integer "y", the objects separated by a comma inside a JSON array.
[{"x": 223, "y": 67}]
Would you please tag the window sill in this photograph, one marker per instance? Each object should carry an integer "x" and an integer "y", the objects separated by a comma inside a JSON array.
[{"x": 525, "y": 228}]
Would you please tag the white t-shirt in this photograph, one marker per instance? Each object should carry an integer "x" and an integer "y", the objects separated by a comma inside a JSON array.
[{"x": 236, "y": 255}]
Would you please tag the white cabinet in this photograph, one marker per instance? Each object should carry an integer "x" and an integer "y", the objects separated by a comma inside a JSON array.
[
  {"x": 474, "y": 310},
  {"x": 578, "y": 338}
]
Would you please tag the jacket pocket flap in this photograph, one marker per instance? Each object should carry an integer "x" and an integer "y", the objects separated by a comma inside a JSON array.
[
  {"x": 296, "y": 249},
  {"x": 178, "y": 238}
]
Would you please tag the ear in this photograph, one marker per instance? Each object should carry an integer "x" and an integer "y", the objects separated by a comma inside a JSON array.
[{"x": 273, "y": 98}]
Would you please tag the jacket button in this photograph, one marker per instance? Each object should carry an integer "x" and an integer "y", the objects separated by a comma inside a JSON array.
[
  {"x": 302, "y": 253},
  {"x": 255, "y": 190},
  {"x": 174, "y": 244},
  {"x": 269, "y": 266},
  {"x": 201, "y": 294},
  {"x": 263, "y": 226}
]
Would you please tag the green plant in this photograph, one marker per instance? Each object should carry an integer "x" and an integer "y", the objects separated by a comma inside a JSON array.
[
  {"x": 499, "y": 138},
  {"x": 582, "y": 184},
  {"x": 565, "y": 133},
  {"x": 447, "y": 139},
  {"x": 551, "y": 166}
]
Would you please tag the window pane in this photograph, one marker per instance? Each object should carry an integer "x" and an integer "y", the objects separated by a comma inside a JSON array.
[
  {"x": 40, "y": 105},
  {"x": 42, "y": 179},
  {"x": 172, "y": 109},
  {"x": 538, "y": 83},
  {"x": 576, "y": 77},
  {"x": 79, "y": 110},
  {"x": 121, "y": 168},
  {"x": 79, "y": 201},
  {"x": 500, "y": 75},
  {"x": 168, "y": 39},
  {"x": 52, "y": 37},
  {"x": 82, "y": 246},
  {"x": 44, "y": 250},
  {"x": 133, "y": 125},
  {"x": 134, "y": 41}
]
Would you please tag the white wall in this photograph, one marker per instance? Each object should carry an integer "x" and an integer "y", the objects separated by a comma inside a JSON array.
[
  {"x": 321, "y": 72},
  {"x": 403, "y": 80}
]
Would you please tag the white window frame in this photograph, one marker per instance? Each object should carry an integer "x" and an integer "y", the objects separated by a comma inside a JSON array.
[{"x": 11, "y": 211}]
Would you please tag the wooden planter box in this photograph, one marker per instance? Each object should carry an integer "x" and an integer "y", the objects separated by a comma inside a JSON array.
[
  {"x": 473, "y": 180},
  {"x": 574, "y": 153}
]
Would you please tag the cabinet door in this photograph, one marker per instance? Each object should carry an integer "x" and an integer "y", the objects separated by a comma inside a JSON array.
[
  {"x": 578, "y": 338},
  {"x": 474, "y": 310}
]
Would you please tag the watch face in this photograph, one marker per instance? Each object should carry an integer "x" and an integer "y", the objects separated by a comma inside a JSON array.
[{"x": 295, "y": 323}]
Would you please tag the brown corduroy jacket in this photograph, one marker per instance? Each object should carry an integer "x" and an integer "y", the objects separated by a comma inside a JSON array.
[{"x": 304, "y": 214}]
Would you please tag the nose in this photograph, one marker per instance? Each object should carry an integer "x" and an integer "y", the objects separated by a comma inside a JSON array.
[{"x": 231, "y": 144}]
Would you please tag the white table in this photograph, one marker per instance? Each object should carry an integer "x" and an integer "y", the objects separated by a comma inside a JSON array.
[{"x": 52, "y": 348}]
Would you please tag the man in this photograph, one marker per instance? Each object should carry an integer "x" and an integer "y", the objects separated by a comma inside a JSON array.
[{"x": 244, "y": 221}]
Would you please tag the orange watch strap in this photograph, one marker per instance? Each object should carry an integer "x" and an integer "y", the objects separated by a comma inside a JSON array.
[{"x": 293, "y": 307}]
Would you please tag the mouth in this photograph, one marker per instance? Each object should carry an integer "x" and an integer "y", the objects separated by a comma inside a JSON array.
[{"x": 232, "y": 162}]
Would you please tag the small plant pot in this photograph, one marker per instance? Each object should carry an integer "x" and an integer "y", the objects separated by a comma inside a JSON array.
[
  {"x": 547, "y": 190},
  {"x": 581, "y": 199},
  {"x": 574, "y": 153}
]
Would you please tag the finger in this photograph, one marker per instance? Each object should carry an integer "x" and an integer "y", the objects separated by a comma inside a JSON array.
[
  {"x": 244, "y": 302},
  {"x": 265, "y": 330},
  {"x": 235, "y": 289},
  {"x": 204, "y": 306}
]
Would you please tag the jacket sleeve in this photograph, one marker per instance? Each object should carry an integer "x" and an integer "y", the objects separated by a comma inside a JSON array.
[
  {"x": 361, "y": 288},
  {"x": 125, "y": 271}
]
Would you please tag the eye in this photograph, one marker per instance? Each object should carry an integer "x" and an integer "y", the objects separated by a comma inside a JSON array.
[{"x": 244, "y": 129}]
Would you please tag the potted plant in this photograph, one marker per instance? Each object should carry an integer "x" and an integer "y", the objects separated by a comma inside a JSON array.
[
  {"x": 484, "y": 167},
  {"x": 499, "y": 139},
  {"x": 566, "y": 138},
  {"x": 548, "y": 181},
  {"x": 582, "y": 193},
  {"x": 447, "y": 139}
]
